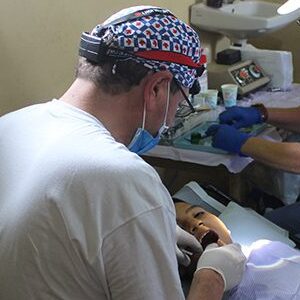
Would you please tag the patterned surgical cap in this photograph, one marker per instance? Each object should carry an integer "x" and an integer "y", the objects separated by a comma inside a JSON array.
[{"x": 158, "y": 41}]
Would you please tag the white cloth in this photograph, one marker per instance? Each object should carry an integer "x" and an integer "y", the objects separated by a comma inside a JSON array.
[
  {"x": 272, "y": 272},
  {"x": 81, "y": 217}
]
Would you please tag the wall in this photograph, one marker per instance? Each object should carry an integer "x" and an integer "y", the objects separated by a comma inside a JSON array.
[
  {"x": 39, "y": 41},
  {"x": 39, "y": 44}
]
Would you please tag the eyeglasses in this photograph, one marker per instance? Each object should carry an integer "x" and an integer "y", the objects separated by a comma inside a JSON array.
[
  {"x": 194, "y": 90},
  {"x": 186, "y": 98}
]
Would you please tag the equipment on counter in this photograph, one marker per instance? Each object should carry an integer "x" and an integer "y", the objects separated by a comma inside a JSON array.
[
  {"x": 188, "y": 140},
  {"x": 230, "y": 26},
  {"x": 189, "y": 131},
  {"x": 186, "y": 120},
  {"x": 248, "y": 75},
  {"x": 277, "y": 65}
]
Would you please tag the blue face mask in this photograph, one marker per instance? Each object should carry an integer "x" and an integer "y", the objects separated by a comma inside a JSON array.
[{"x": 143, "y": 141}]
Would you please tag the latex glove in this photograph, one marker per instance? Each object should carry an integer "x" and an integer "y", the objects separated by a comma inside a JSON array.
[
  {"x": 229, "y": 261},
  {"x": 227, "y": 138},
  {"x": 241, "y": 116},
  {"x": 186, "y": 243}
]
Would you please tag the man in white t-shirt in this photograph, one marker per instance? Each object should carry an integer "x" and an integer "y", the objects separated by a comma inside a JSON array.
[{"x": 82, "y": 216}]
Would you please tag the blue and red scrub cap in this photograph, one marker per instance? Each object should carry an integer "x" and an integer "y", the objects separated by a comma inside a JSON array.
[{"x": 158, "y": 40}]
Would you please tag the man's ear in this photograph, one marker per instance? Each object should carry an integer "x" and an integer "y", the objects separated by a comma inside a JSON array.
[{"x": 156, "y": 88}]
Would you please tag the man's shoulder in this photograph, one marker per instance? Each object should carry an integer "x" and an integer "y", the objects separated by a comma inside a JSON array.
[{"x": 22, "y": 111}]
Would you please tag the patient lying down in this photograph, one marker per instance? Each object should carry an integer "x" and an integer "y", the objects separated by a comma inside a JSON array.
[
  {"x": 272, "y": 270},
  {"x": 206, "y": 227}
]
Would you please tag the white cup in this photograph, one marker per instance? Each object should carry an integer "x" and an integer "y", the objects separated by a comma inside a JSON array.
[
  {"x": 229, "y": 92},
  {"x": 199, "y": 100},
  {"x": 211, "y": 98}
]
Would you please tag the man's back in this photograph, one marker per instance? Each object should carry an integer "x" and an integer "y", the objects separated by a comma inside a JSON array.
[{"x": 73, "y": 201}]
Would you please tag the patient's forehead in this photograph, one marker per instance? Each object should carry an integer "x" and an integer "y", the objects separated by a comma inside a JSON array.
[{"x": 195, "y": 210}]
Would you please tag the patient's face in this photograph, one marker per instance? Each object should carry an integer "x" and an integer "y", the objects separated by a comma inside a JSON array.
[{"x": 199, "y": 222}]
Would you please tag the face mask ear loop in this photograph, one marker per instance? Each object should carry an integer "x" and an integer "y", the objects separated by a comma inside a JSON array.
[
  {"x": 144, "y": 116},
  {"x": 167, "y": 106}
]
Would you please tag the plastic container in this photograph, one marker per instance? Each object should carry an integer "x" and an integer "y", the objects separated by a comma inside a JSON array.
[
  {"x": 229, "y": 92},
  {"x": 203, "y": 80},
  {"x": 211, "y": 98},
  {"x": 199, "y": 99}
]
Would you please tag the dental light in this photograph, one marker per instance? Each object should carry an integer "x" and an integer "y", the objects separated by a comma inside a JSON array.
[{"x": 288, "y": 7}]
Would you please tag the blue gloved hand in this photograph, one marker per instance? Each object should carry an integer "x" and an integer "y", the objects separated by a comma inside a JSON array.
[
  {"x": 241, "y": 116},
  {"x": 227, "y": 138}
]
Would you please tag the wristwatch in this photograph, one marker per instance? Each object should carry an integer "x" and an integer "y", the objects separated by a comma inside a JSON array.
[{"x": 263, "y": 111}]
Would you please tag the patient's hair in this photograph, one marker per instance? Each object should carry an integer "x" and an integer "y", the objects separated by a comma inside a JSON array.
[{"x": 127, "y": 75}]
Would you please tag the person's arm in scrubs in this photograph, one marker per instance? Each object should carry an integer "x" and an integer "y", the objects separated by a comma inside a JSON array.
[{"x": 281, "y": 155}]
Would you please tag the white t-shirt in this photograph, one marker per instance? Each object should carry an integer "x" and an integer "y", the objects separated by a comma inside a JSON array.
[{"x": 81, "y": 217}]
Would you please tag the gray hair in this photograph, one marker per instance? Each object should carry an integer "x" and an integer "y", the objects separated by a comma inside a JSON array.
[{"x": 114, "y": 77}]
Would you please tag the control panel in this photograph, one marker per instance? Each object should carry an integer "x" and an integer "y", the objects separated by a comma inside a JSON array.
[{"x": 248, "y": 75}]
